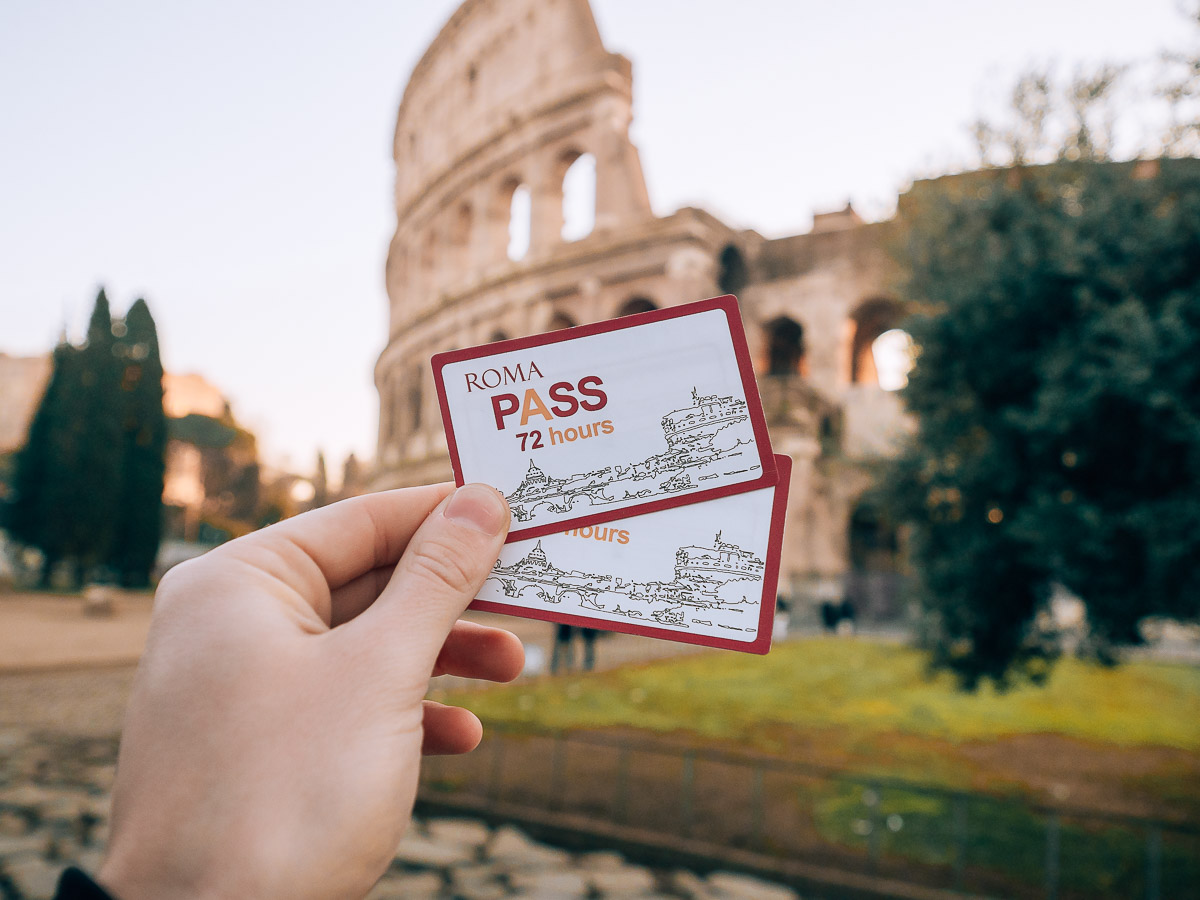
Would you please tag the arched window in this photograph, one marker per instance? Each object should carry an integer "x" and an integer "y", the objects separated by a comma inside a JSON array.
[
  {"x": 636, "y": 305},
  {"x": 874, "y": 584},
  {"x": 785, "y": 347},
  {"x": 871, "y": 320},
  {"x": 464, "y": 218},
  {"x": 497, "y": 336},
  {"x": 429, "y": 260},
  {"x": 874, "y": 545},
  {"x": 732, "y": 275},
  {"x": 892, "y": 353},
  {"x": 579, "y": 198},
  {"x": 559, "y": 321},
  {"x": 519, "y": 212},
  {"x": 390, "y": 395},
  {"x": 414, "y": 401}
]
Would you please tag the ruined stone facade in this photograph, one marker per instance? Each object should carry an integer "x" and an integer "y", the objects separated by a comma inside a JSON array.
[{"x": 506, "y": 99}]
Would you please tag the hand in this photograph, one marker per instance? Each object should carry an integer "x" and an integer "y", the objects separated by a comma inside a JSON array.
[{"x": 273, "y": 738}]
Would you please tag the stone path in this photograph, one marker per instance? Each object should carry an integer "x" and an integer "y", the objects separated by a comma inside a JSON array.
[
  {"x": 50, "y": 632},
  {"x": 40, "y": 631},
  {"x": 54, "y": 801}
]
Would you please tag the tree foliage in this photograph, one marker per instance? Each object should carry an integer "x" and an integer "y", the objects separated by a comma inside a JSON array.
[
  {"x": 87, "y": 485},
  {"x": 1057, "y": 395},
  {"x": 143, "y": 447},
  {"x": 94, "y": 420},
  {"x": 39, "y": 507}
]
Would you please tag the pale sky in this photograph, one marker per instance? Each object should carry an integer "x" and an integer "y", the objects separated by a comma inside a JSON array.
[{"x": 230, "y": 161}]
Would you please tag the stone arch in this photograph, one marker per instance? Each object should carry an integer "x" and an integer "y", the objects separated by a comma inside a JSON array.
[
  {"x": 559, "y": 321},
  {"x": 732, "y": 272},
  {"x": 785, "y": 350},
  {"x": 869, "y": 321},
  {"x": 461, "y": 230},
  {"x": 520, "y": 222},
  {"x": 429, "y": 259},
  {"x": 499, "y": 215},
  {"x": 414, "y": 399},
  {"x": 635, "y": 305},
  {"x": 497, "y": 336},
  {"x": 875, "y": 580},
  {"x": 577, "y": 192}
]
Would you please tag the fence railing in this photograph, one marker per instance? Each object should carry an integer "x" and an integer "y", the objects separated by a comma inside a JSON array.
[{"x": 895, "y": 828}]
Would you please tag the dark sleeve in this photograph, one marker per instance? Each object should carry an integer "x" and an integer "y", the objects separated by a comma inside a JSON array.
[{"x": 76, "y": 885}]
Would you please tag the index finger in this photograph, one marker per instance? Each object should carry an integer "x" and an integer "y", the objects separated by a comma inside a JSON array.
[{"x": 351, "y": 537}]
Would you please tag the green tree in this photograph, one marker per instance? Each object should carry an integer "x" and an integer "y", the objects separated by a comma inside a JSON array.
[
  {"x": 143, "y": 444},
  {"x": 320, "y": 484},
  {"x": 93, "y": 481},
  {"x": 1057, "y": 396},
  {"x": 40, "y": 506}
]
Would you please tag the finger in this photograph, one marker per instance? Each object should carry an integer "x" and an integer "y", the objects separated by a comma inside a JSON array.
[
  {"x": 449, "y": 729},
  {"x": 353, "y": 597},
  {"x": 477, "y": 651},
  {"x": 438, "y": 574},
  {"x": 322, "y": 550}
]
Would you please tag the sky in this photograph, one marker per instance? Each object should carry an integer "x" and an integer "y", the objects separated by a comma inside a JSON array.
[{"x": 230, "y": 161}]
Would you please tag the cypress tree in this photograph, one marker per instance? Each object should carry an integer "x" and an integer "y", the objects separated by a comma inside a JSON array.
[
  {"x": 93, "y": 484},
  {"x": 320, "y": 483},
  {"x": 143, "y": 446},
  {"x": 36, "y": 517}
]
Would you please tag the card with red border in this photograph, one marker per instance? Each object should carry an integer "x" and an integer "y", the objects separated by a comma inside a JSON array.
[
  {"x": 701, "y": 574},
  {"x": 600, "y": 422}
]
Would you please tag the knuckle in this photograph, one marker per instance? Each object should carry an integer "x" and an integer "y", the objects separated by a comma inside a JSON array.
[
  {"x": 175, "y": 579},
  {"x": 446, "y": 562}
]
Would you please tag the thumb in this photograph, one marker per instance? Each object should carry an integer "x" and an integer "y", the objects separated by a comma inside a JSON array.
[{"x": 439, "y": 573}]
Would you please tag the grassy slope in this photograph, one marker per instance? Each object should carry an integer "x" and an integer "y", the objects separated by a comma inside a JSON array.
[
  {"x": 861, "y": 689},
  {"x": 1122, "y": 739}
]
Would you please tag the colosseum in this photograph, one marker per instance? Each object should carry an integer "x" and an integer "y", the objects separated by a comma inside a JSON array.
[{"x": 514, "y": 120}]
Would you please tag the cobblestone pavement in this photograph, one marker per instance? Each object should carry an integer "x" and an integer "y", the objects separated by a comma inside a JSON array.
[
  {"x": 54, "y": 802},
  {"x": 61, "y": 712}
]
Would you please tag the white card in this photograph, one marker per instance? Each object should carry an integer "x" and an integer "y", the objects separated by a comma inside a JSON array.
[
  {"x": 601, "y": 422},
  {"x": 704, "y": 573}
]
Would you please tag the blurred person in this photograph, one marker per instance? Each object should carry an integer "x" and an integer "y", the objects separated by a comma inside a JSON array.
[
  {"x": 782, "y": 618},
  {"x": 589, "y": 648},
  {"x": 847, "y": 617},
  {"x": 274, "y": 734},
  {"x": 830, "y": 613},
  {"x": 563, "y": 655}
]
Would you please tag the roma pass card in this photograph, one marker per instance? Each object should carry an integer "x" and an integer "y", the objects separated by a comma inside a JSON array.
[
  {"x": 701, "y": 574},
  {"x": 601, "y": 422}
]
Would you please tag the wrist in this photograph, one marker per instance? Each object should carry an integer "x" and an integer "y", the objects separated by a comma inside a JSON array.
[{"x": 147, "y": 876}]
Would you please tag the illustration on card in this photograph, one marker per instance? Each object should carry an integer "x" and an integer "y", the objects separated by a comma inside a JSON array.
[
  {"x": 709, "y": 443},
  {"x": 716, "y": 589}
]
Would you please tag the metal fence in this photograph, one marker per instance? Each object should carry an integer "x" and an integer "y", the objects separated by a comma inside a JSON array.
[{"x": 893, "y": 828}]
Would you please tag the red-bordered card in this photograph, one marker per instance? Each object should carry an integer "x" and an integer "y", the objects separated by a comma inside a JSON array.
[
  {"x": 702, "y": 574},
  {"x": 602, "y": 422}
]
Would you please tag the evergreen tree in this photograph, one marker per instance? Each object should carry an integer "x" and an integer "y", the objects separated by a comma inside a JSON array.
[
  {"x": 36, "y": 515},
  {"x": 143, "y": 449},
  {"x": 95, "y": 415},
  {"x": 1057, "y": 395},
  {"x": 320, "y": 483}
]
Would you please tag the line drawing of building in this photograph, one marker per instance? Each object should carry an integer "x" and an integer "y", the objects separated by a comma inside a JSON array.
[
  {"x": 691, "y": 435},
  {"x": 714, "y": 579}
]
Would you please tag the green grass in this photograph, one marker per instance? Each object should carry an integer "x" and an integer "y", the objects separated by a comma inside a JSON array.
[
  {"x": 1125, "y": 739},
  {"x": 864, "y": 690}
]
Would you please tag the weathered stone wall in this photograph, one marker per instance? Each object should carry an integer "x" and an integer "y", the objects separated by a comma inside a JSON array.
[{"x": 510, "y": 94}]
